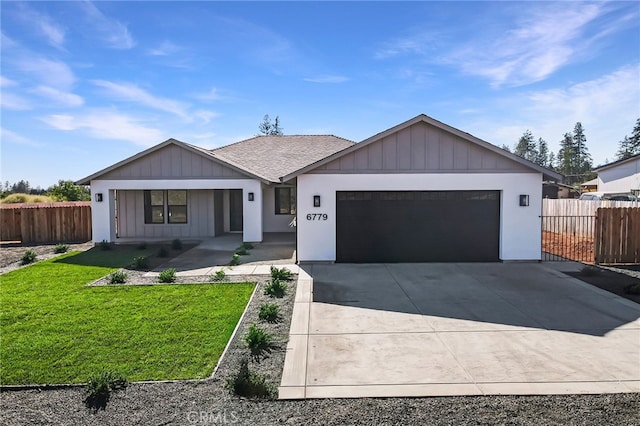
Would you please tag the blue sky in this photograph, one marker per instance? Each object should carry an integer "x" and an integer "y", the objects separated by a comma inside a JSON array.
[{"x": 84, "y": 85}]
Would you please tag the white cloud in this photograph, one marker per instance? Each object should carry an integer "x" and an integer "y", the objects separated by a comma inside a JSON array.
[
  {"x": 212, "y": 95},
  {"x": 131, "y": 92},
  {"x": 166, "y": 48},
  {"x": 420, "y": 43},
  {"x": 9, "y": 136},
  {"x": 6, "y": 82},
  {"x": 54, "y": 33},
  {"x": 327, "y": 79},
  {"x": 105, "y": 124},
  {"x": 61, "y": 98},
  {"x": 545, "y": 38},
  {"x": 607, "y": 107},
  {"x": 206, "y": 116},
  {"x": 14, "y": 102},
  {"x": 48, "y": 72},
  {"x": 113, "y": 32}
]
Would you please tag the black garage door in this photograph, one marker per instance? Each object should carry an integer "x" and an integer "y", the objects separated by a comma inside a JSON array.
[{"x": 417, "y": 226}]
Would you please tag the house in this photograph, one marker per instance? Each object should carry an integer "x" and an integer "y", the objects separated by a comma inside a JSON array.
[
  {"x": 589, "y": 186},
  {"x": 620, "y": 177},
  {"x": 420, "y": 191},
  {"x": 557, "y": 190}
]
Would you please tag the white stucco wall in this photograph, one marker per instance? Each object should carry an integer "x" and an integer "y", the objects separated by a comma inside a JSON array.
[
  {"x": 621, "y": 178},
  {"x": 520, "y": 227},
  {"x": 274, "y": 222},
  {"x": 102, "y": 213}
]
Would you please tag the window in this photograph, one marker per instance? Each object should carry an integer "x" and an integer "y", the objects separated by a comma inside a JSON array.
[
  {"x": 153, "y": 206},
  {"x": 285, "y": 201},
  {"x": 177, "y": 206},
  {"x": 173, "y": 202}
]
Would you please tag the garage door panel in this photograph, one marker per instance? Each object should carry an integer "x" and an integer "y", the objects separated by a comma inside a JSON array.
[{"x": 418, "y": 226}]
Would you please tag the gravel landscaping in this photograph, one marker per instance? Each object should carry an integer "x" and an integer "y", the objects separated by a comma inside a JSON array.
[
  {"x": 11, "y": 257},
  {"x": 209, "y": 402}
]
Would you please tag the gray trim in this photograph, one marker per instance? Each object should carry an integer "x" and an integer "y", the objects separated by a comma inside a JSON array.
[{"x": 615, "y": 163}]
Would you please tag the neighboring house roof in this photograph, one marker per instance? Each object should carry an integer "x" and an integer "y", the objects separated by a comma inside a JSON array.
[
  {"x": 277, "y": 156},
  {"x": 592, "y": 182},
  {"x": 547, "y": 173},
  {"x": 616, "y": 163}
]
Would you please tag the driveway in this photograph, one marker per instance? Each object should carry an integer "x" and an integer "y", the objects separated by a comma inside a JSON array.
[{"x": 387, "y": 330}]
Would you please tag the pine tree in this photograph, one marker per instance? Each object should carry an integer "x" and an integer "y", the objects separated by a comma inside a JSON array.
[
  {"x": 566, "y": 161},
  {"x": 506, "y": 147},
  {"x": 630, "y": 146},
  {"x": 269, "y": 128},
  {"x": 542, "y": 157},
  {"x": 526, "y": 147},
  {"x": 584, "y": 162}
]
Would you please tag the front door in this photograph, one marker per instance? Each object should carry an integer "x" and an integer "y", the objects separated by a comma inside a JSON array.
[{"x": 235, "y": 210}]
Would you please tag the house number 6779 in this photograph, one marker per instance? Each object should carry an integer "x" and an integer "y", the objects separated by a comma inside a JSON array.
[{"x": 317, "y": 216}]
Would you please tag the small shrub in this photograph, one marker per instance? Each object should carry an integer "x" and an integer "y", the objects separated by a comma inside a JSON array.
[
  {"x": 282, "y": 274},
  {"x": 167, "y": 276},
  {"x": 60, "y": 248},
  {"x": 632, "y": 288},
  {"x": 219, "y": 275},
  {"x": 275, "y": 288},
  {"x": 140, "y": 262},
  {"x": 258, "y": 341},
  {"x": 235, "y": 260},
  {"x": 248, "y": 383},
  {"x": 29, "y": 256},
  {"x": 104, "y": 245},
  {"x": 163, "y": 252},
  {"x": 247, "y": 246},
  {"x": 100, "y": 387},
  {"x": 142, "y": 245},
  {"x": 118, "y": 277},
  {"x": 242, "y": 251},
  {"x": 269, "y": 312},
  {"x": 590, "y": 271},
  {"x": 176, "y": 244}
]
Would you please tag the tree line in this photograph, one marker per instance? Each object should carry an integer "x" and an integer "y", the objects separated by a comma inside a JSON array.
[
  {"x": 572, "y": 159},
  {"x": 64, "y": 190}
]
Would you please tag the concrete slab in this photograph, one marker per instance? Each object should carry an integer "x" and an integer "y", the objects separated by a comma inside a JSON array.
[{"x": 458, "y": 329}]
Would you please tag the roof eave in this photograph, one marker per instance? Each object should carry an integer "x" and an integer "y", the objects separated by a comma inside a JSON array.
[{"x": 617, "y": 163}]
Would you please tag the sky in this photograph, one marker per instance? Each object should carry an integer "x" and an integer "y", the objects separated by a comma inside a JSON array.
[{"x": 87, "y": 84}]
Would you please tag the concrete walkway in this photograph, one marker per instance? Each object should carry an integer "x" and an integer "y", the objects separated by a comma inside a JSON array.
[{"x": 457, "y": 329}]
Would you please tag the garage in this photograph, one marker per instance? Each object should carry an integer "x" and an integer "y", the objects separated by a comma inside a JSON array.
[{"x": 417, "y": 226}]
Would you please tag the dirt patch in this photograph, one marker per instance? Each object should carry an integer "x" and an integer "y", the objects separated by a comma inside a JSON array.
[
  {"x": 568, "y": 246},
  {"x": 11, "y": 257},
  {"x": 611, "y": 281}
]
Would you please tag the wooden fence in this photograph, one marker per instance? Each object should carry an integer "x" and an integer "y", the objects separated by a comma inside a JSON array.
[
  {"x": 576, "y": 217},
  {"x": 617, "y": 235},
  {"x": 46, "y": 222}
]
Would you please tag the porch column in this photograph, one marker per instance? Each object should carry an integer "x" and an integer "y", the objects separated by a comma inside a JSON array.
[
  {"x": 252, "y": 212},
  {"x": 102, "y": 212}
]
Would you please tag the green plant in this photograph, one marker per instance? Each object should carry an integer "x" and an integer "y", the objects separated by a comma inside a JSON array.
[
  {"x": 176, "y": 244},
  {"x": 118, "y": 277},
  {"x": 104, "y": 245},
  {"x": 242, "y": 251},
  {"x": 60, "y": 248},
  {"x": 142, "y": 245},
  {"x": 167, "y": 276},
  {"x": 140, "y": 262},
  {"x": 235, "y": 259},
  {"x": 219, "y": 275},
  {"x": 258, "y": 341},
  {"x": 282, "y": 274},
  {"x": 632, "y": 288},
  {"x": 100, "y": 387},
  {"x": 248, "y": 383},
  {"x": 29, "y": 256},
  {"x": 163, "y": 252},
  {"x": 590, "y": 271},
  {"x": 247, "y": 246},
  {"x": 269, "y": 312},
  {"x": 275, "y": 288}
]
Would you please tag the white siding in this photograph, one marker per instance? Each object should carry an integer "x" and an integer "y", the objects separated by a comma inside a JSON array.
[
  {"x": 624, "y": 177},
  {"x": 520, "y": 227}
]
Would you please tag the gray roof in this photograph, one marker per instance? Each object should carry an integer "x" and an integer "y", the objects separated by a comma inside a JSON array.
[
  {"x": 273, "y": 157},
  {"x": 616, "y": 163}
]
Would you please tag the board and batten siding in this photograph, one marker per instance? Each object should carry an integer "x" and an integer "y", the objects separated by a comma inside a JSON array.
[
  {"x": 173, "y": 162},
  {"x": 422, "y": 148},
  {"x": 200, "y": 217}
]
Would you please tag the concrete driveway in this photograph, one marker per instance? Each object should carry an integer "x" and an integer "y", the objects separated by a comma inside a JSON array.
[{"x": 457, "y": 329}]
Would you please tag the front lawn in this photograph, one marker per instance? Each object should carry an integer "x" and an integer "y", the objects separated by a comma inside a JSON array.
[{"x": 54, "y": 329}]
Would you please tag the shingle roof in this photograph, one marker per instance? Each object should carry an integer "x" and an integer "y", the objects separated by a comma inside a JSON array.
[{"x": 276, "y": 156}]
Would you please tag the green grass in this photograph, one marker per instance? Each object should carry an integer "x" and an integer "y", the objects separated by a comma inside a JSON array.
[{"x": 56, "y": 330}]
